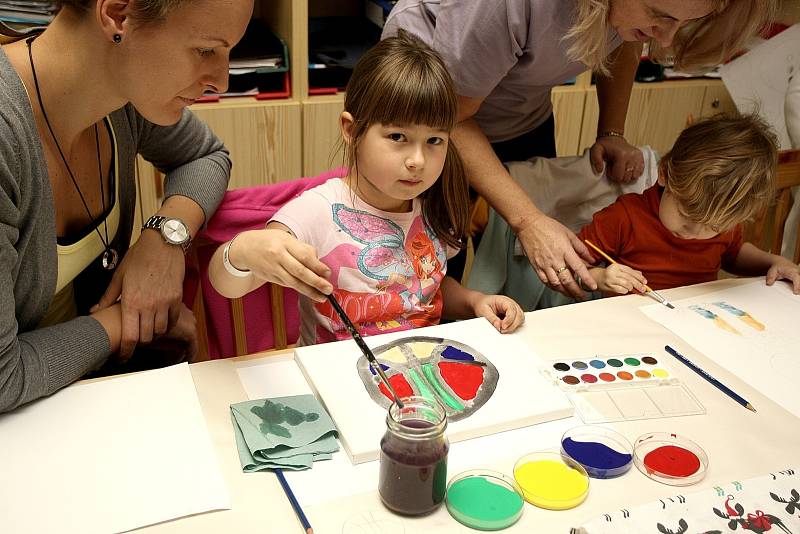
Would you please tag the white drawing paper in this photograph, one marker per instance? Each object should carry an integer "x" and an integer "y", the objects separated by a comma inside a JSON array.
[
  {"x": 751, "y": 330},
  {"x": 109, "y": 456}
]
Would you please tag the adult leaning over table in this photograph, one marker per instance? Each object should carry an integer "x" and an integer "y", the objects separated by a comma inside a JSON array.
[
  {"x": 506, "y": 55},
  {"x": 106, "y": 80}
]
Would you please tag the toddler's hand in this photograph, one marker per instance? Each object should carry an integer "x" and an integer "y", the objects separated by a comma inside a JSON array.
[
  {"x": 622, "y": 279},
  {"x": 277, "y": 256},
  {"x": 783, "y": 269},
  {"x": 504, "y": 313}
]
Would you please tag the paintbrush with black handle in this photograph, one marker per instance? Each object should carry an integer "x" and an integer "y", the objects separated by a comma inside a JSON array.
[{"x": 364, "y": 348}]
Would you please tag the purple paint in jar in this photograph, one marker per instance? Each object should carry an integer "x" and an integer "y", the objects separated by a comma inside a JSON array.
[{"x": 413, "y": 459}]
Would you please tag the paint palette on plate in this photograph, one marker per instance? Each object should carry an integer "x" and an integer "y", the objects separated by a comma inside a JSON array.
[{"x": 605, "y": 389}]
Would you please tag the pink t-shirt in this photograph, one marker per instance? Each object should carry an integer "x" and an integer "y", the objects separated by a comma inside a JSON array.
[{"x": 386, "y": 268}]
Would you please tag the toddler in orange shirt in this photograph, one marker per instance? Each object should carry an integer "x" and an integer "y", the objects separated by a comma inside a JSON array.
[{"x": 682, "y": 230}]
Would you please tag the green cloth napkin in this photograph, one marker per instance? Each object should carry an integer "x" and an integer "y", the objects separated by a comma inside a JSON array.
[{"x": 285, "y": 432}]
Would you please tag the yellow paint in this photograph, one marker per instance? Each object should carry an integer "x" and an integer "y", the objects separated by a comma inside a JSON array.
[
  {"x": 394, "y": 355},
  {"x": 552, "y": 484},
  {"x": 747, "y": 318},
  {"x": 422, "y": 350},
  {"x": 660, "y": 373},
  {"x": 722, "y": 323}
]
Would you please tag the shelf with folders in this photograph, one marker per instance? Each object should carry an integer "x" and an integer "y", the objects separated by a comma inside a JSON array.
[
  {"x": 259, "y": 66},
  {"x": 338, "y": 35}
]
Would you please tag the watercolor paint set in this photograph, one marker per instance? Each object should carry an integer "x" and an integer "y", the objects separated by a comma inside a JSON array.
[{"x": 605, "y": 389}]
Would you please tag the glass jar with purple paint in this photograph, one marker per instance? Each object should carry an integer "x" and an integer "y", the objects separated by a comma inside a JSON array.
[{"x": 413, "y": 467}]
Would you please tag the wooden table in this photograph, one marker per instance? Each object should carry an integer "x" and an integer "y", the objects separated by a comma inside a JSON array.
[{"x": 740, "y": 444}]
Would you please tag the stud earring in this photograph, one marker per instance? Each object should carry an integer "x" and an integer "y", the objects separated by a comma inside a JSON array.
[{"x": 117, "y": 38}]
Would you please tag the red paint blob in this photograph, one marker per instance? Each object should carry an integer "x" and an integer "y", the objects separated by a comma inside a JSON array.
[
  {"x": 400, "y": 386},
  {"x": 589, "y": 379},
  {"x": 672, "y": 461},
  {"x": 607, "y": 377},
  {"x": 463, "y": 379}
]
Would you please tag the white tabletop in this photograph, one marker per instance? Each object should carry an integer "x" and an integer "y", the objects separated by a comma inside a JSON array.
[{"x": 740, "y": 444}]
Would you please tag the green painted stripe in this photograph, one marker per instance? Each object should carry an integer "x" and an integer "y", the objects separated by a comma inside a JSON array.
[
  {"x": 422, "y": 386},
  {"x": 448, "y": 399}
]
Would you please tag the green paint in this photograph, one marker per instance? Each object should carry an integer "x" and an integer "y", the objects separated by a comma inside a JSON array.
[
  {"x": 482, "y": 504},
  {"x": 422, "y": 386},
  {"x": 427, "y": 370},
  {"x": 274, "y": 414},
  {"x": 613, "y": 362},
  {"x": 632, "y": 361}
]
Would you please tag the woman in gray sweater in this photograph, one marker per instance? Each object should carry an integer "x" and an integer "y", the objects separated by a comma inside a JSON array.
[{"x": 106, "y": 80}]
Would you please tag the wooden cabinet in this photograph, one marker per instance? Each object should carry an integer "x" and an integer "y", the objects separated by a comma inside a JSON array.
[
  {"x": 569, "y": 104},
  {"x": 321, "y": 133},
  {"x": 264, "y": 139},
  {"x": 657, "y": 112}
]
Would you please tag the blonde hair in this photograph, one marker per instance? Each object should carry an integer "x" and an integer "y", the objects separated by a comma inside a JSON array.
[
  {"x": 402, "y": 81},
  {"x": 722, "y": 170},
  {"x": 697, "y": 46}
]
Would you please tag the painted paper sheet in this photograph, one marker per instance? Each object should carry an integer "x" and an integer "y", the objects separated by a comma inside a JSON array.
[
  {"x": 751, "y": 330},
  {"x": 486, "y": 381},
  {"x": 109, "y": 456}
]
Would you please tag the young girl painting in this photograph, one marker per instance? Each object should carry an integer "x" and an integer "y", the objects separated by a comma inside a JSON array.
[{"x": 383, "y": 232}]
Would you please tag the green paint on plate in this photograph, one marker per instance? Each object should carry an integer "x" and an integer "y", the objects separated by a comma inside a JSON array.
[
  {"x": 632, "y": 361},
  {"x": 484, "y": 504}
]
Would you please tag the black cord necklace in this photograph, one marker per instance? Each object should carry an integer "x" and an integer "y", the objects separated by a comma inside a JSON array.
[{"x": 110, "y": 255}]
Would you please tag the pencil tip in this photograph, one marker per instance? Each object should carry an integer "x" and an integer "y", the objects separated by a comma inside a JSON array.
[
  {"x": 750, "y": 407},
  {"x": 670, "y": 306}
]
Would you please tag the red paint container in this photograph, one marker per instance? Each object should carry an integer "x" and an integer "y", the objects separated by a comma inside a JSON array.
[{"x": 670, "y": 459}]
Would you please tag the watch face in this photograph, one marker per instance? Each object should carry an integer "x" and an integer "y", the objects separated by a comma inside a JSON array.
[{"x": 174, "y": 231}]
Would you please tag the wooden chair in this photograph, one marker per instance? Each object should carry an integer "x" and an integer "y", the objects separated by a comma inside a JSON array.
[
  {"x": 237, "y": 317},
  {"x": 766, "y": 230}
]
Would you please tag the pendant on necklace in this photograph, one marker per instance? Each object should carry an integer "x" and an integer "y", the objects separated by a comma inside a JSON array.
[{"x": 110, "y": 258}]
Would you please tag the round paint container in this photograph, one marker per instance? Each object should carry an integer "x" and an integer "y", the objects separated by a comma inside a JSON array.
[
  {"x": 670, "y": 459},
  {"x": 551, "y": 480},
  {"x": 601, "y": 451},
  {"x": 484, "y": 500}
]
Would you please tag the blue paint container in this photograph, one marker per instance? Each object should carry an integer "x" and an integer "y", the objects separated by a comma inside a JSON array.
[{"x": 603, "y": 452}]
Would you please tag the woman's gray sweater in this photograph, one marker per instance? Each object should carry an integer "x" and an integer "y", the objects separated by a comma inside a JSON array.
[{"x": 37, "y": 362}]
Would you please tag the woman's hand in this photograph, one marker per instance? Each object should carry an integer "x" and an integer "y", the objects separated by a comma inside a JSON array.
[
  {"x": 149, "y": 285},
  {"x": 184, "y": 330},
  {"x": 557, "y": 255},
  {"x": 275, "y": 255},
  {"x": 783, "y": 269},
  {"x": 620, "y": 279},
  {"x": 503, "y": 312},
  {"x": 624, "y": 162}
]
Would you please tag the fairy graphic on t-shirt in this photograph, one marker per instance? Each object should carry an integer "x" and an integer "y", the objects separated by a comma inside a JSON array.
[{"x": 408, "y": 272}]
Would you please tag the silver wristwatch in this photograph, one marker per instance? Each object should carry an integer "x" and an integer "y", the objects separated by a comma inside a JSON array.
[{"x": 173, "y": 230}]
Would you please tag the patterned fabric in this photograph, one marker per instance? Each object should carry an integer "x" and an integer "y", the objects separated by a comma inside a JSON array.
[{"x": 769, "y": 503}]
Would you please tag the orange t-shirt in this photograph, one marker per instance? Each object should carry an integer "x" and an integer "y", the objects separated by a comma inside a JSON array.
[{"x": 630, "y": 231}]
